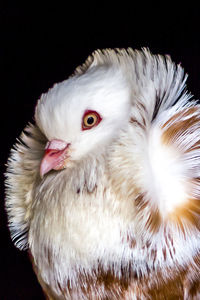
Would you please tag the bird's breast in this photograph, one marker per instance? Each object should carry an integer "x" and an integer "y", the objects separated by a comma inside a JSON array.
[
  {"x": 77, "y": 230},
  {"x": 90, "y": 236}
]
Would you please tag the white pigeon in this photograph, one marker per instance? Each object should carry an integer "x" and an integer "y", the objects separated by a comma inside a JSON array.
[{"x": 104, "y": 188}]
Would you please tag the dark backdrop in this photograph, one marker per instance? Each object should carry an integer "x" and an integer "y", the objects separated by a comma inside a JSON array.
[{"x": 42, "y": 45}]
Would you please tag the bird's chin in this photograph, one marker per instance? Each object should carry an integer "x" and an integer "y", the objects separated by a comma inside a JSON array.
[
  {"x": 64, "y": 164},
  {"x": 56, "y": 156}
]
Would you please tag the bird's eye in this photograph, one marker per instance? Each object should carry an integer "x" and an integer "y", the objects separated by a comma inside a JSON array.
[{"x": 90, "y": 119}]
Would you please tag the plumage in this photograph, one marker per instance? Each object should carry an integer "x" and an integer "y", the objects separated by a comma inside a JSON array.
[{"x": 104, "y": 190}]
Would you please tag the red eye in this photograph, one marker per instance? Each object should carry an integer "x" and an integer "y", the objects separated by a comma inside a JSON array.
[{"x": 90, "y": 119}]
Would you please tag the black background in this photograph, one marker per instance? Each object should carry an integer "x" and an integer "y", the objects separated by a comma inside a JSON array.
[{"x": 42, "y": 45}]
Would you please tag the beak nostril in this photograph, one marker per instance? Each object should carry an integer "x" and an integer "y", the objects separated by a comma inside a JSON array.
[
  {"x": 56, "y": 145},
  {"x": 52, "y": 154}
]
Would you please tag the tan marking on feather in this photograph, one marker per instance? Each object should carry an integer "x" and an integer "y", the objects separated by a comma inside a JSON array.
[
  {"x": 172, "y": 289},
  {"x": 176, "y": 126},
  {"x": 154, "y": 219},
  {"x": 134, "y": 121},
  {"x": 192, "y": 282},
  {"x": 187, "y": 214},
  {"x": 130, "y": 240},
  {"x": 153, "y": 286}
]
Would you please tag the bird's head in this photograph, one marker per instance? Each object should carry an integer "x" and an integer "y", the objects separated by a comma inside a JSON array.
[{"x": 82, "y": 115}]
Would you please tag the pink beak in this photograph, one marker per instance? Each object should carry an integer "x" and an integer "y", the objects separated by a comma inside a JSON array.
[{"x": 56, "y": 152}]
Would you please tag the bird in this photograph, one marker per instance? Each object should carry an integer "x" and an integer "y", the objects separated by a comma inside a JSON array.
[{"x": 103, "y": 187}]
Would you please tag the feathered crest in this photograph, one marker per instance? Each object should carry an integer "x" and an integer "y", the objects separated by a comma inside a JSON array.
[{"x": 156, "y": 81}]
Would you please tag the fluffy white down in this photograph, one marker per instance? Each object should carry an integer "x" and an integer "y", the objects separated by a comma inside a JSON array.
[{"x": 76, "y": 218}]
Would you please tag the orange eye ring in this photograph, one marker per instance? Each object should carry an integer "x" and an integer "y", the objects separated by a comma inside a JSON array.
[{"x": 90, "y": 119}]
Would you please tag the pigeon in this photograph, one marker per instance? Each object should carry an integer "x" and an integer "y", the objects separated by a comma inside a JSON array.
[{"x": 103, "y": 188}]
